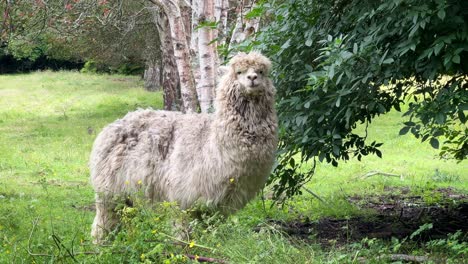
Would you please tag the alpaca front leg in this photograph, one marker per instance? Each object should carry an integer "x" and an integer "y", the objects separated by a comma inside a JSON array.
[{"x": 104, "y": 222}]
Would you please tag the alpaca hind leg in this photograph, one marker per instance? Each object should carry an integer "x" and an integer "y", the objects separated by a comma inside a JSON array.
[{"x": 105, "y": 220}]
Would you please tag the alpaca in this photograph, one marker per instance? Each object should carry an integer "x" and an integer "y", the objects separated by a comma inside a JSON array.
[{"x": 220, "y": 160}]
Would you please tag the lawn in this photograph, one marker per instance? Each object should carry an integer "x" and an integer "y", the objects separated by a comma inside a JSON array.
[{"x": 48, "y": 121}]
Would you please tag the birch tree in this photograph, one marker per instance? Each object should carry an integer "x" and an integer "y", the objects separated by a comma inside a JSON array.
[
  {"x": 243, "y": 27},
  {"x": 221, "y": 17},
  {"x": 206, "y": 52},
  {"x": 172, "y": 10},
  {"x": 170, "y": 76}
]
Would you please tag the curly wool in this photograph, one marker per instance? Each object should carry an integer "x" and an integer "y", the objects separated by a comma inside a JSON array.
[{"x": 221, "y": 160}]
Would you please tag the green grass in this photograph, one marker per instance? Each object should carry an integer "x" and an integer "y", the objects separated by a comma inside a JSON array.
[{"x": 48, "y": 122}]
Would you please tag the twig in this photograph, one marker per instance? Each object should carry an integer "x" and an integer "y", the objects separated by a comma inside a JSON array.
[
  {"x": 60, "y": 245},
  {"x": 417, "y": 259},
  {"x": 204, "y": 259},
  {"x": 29, "y": 241},
  {"x": 399, "y": 257},
  {"x": 373, "y": 173},
  {"x": 315, "y": 195},
  {"x": 187, "y": 243}
]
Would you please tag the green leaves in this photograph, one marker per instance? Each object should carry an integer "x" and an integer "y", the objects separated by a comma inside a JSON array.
[
  {"x": 434, "y": 143},
  {"x": 404, "y": 130},
  {"x": 441, "y": 14},
  {"x": 338, "y": 64}
]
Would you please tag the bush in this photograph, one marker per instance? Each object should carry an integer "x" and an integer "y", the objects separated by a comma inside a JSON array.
[{"x": 341, "y": 63}]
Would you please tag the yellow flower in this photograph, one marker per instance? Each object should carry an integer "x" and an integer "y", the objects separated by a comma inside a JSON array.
[
  {"x": 218, "y": 245},
  {"x": 142, "y": 257},
  {"x": 197, "y": 257},
  {"x": 231, "y": 180},
  {"x": 139, "y": 182},
  {"x": 153, "y": 232},
  {"x": 192, "y": 243},
  {"x": 127, "y": 182}
]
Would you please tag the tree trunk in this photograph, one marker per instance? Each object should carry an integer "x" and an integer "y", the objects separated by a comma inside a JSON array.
[
  {"x": 194, "y": 45},
  {"x": 244, "y": 28},
  {"x": 221, "y": 32},
  {"x": 181, "y": 52},
  {"x": 152, "y": 76},
  {"x": 170, "y": 77},
  {"x": 207, "y": 55},
  {"x": 221, "y": 16}
]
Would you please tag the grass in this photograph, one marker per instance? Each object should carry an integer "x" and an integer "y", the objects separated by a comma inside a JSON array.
[{"x": 48, "y": 121}]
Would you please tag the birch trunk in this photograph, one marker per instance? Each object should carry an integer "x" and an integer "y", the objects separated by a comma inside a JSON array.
[
  {"x": 237, "y": 33},
  {"x": 243, "y": 28},
  {"x": 207, "y": 55},
  {"x": 194, "y": 45},
  {"x": 181, "y": 52},
  {"x": 221, "y": 16},
  {"x": 152, "y": 75},
  {"x": 170, "y": 76}
]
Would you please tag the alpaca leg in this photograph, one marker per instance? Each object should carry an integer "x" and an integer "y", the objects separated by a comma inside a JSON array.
[
  {"x": 105, "y": 220},
  {"x": 181, "y": 229}
]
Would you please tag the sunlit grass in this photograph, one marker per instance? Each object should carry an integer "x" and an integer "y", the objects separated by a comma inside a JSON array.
[{"x": 48, "y": 122}]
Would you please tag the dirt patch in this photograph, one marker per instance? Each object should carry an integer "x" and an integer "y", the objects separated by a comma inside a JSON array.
[
  {"x": 121, "y": 80},
  {"x": 397, "y": 214}
]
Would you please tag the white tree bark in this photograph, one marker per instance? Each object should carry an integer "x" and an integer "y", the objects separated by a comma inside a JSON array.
[
  {"x": 206, "y": 51},
  {"x": 152, "y": 75},
  {"x": 170, "y": 76},
  {"x": 243, "y": 28},
  {"x": 221, "y": 16},
  {"x": 194, "y": 45},
  {"x": 181, "y": 52}
]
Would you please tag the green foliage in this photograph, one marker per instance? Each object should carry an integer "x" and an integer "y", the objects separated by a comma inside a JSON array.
[
  {"x": 90, "y": 66},
  {"x": 146, "y": 234},
  {"x": 75, "y": 32},
  {"x": 25, "y": 49},
  {"x": 454, "y": 244},
  {"x": 342, "y": 63}
]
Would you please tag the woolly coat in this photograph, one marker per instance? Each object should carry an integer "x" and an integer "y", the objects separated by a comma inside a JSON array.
[{"x": 221, "y": 160}]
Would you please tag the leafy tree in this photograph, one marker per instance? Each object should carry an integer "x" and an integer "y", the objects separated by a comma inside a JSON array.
[{"x": 341, "y": 63}]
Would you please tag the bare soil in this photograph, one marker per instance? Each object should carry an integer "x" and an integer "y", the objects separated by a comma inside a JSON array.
[{"x": 397, "y": 213}]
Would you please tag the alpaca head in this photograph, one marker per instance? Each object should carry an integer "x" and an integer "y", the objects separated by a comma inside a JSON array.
[{"x": 250, "y": 72}]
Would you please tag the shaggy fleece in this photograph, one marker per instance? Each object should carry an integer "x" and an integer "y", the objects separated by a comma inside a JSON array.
[{"x": 220, "y": 160}]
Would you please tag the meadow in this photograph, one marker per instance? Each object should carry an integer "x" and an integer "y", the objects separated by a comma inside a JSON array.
[{"x": 48, "y": 122}]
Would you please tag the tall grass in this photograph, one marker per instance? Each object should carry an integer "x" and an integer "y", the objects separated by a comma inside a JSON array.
[{"x": 48, "y": 122}]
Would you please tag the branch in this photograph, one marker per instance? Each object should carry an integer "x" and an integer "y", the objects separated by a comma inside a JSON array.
[
  {"x": 372, "y": 173},
  {"x": 400, "y": 257},
  {"x": 315, "y": 195},
  {"x": 204, "y": 259},
  {"x": 187, "y": 243}
]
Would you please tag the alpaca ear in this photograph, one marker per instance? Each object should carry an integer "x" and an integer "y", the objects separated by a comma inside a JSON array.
[{"x": 222, "y": 70}]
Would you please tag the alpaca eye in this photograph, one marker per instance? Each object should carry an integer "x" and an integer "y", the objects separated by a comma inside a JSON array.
[
  {"x": 239, "y": 72},
  {"x": 261, "y": 72}
]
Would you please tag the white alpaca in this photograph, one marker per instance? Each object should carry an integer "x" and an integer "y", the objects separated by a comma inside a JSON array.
[{"x": 221, "y": 160}]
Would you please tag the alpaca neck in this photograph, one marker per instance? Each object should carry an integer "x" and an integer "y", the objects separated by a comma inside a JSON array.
[{"x": 242, "y": 119}]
